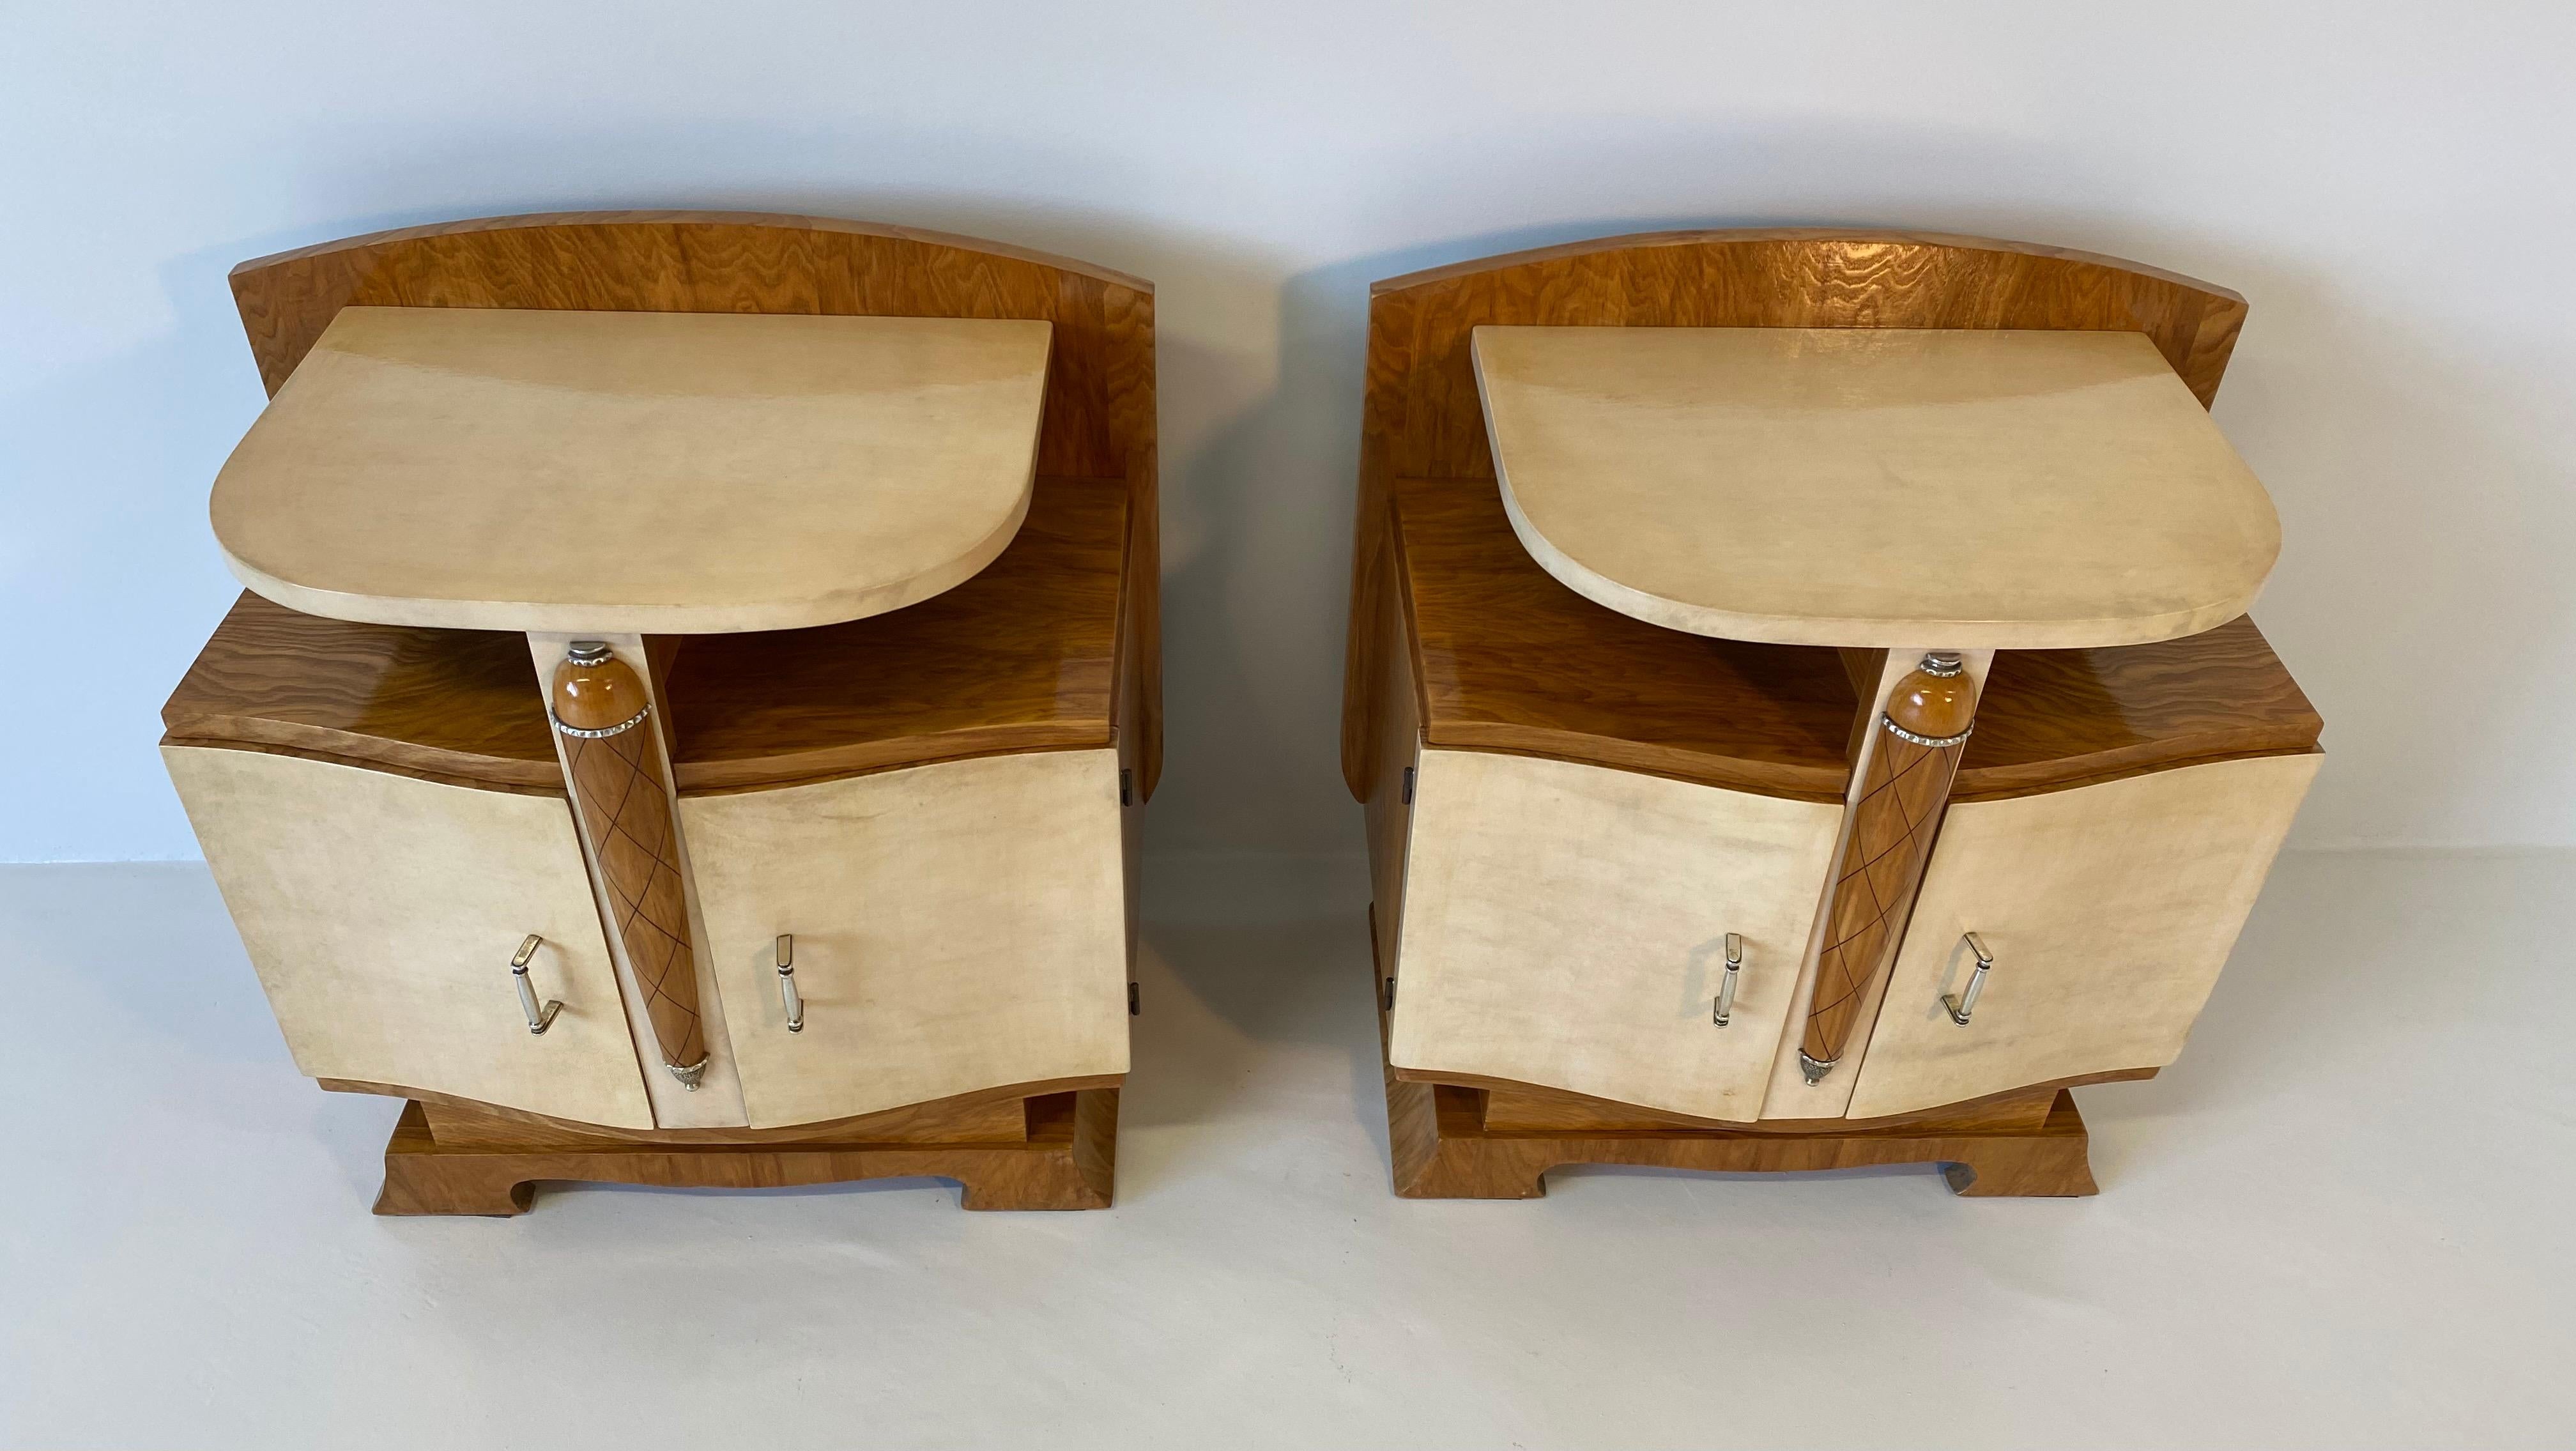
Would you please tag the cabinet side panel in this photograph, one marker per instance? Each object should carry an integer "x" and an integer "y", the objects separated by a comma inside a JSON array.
[
  {"x": 958, "y": 927},
  {"x": 1388, "y": 810},
  {"x": 1565, "y": 926},
  {"x": 2109, "y": 911},
  {"x": 381, "y": 913}
]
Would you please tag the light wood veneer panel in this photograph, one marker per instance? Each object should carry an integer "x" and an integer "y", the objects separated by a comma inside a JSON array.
[
  {"x": 1564, "y": 926},
  {"x": 1098, "y": 420},
  {"x": 1422, "y": 416},
  {"x": 2109, "y": 911},
  {"x": 1022, "y": 657},
  {"x": 958, "y": 927},
  {"x": 1511, "y": 660},
  {"x": 2052, "y": 718},
  {"x": 381, "y": 912}
]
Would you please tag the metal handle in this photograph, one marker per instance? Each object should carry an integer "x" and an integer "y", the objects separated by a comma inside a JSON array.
[
  {"x": 787, "y": 983},
  {"x": 1962, "y": 1004},
  {"x": 539, "y": 1019},
  {"x": 1725, "y": 1010}
]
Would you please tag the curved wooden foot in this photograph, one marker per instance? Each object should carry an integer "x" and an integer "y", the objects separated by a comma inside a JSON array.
[
  {"x": 2051, "y": 1162},
  {"x": 420, "y": 1180},
  {"x": 1067, "y": 1161}
]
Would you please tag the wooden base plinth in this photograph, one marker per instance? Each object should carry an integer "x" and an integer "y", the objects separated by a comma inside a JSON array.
[
  {"x": 1066, "y": 1161},
  {"x": 1445, "y": 1146},
  {"x": 1442, "y": 1151}
]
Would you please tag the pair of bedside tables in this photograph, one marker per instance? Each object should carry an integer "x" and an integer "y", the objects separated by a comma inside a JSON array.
[{"x": 701, "y": 675}]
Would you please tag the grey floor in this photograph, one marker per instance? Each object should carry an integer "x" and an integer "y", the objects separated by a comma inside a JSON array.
[{"x": 2342, "y": 1220}]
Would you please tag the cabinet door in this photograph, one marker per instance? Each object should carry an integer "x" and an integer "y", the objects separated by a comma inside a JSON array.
[
  {"x": 382, "y": 912},
  {"x": 958, "y": 927},
  {"x": 2108, "y": 911},
  {"x": 1565, "y": 925}
]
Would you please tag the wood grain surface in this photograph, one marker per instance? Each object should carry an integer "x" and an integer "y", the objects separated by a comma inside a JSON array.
[
  {"x": 993, "y": 1114},
  {"x": 1421, "y": 417},
  {"x": 453, "y": 705},
  {"x": 1021, "y": 657},
  {"x": 2054, "y": 717},
  {"x": 1509, "y": 659},
  {"x": 1067, "y": 1161},
  {"x": 1099, "y": 412},
  {"x": 1527, "y": 1108},
  {"x": 621, "y": 794}
]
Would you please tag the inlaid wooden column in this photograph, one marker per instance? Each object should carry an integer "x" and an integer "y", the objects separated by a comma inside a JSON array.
[
  {"x": 1915, "y": 748},
  {"x": 1917, "y": 717},
  {"x": 612, "y": 751},
  {"x": 609, "y": 733}
]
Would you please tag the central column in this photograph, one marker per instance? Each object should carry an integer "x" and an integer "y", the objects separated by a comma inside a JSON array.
[
  {"x": 613, "y": 757},
  {"x": 1914, "y": 749}
]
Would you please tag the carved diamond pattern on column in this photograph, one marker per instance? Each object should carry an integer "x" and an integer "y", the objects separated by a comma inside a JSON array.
[
  {"x": 1892, "y": 827},
  {"x": 627, "y": 812}
]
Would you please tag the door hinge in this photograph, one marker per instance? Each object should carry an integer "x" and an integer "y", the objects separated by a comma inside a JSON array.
[
  {"x": 1135, "y": 1003},
  {"x": 1408, "y": 785},
  {"x": 1126, "y": 785},
  {"x": 1387, "y": 998}
]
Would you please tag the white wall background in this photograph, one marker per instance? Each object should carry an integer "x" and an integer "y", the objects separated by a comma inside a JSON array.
[{"x": 2394, "y": 188}]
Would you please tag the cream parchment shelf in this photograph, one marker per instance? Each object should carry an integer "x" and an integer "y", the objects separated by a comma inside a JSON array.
[
  {"x": 832, "y": 549},
  {"x": 634, "y": 472},
  {"x": 1735, "y": 577},
  {"x": 2018, "y": 490}
]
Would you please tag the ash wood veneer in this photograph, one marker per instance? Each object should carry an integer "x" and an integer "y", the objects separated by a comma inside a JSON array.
[
  {"x": 449, "y": 705},
  {"x": 1509, "y": 659},
  {"x": 1067, "y": 1160},
  {"x": 2118, "y": 803},
  {"x": 1041, "y": 668},
  {"x": 1422, "y": 417},
  {"x": 992, "y": 1115},
  {"x": 1024, "y": 656},
  {"x": 1098, "y": 419},
  {"x": 621, "y": 796},
  {"x": 1900, "y": 785}
]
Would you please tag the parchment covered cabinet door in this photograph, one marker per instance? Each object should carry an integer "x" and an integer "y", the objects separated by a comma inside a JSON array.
[
  {"x": 2107, "y": 912},
  {"x": 382, "y": 913},
  {"x": 956, "y": 927},
  {"x": 1567, "y": 926}
]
